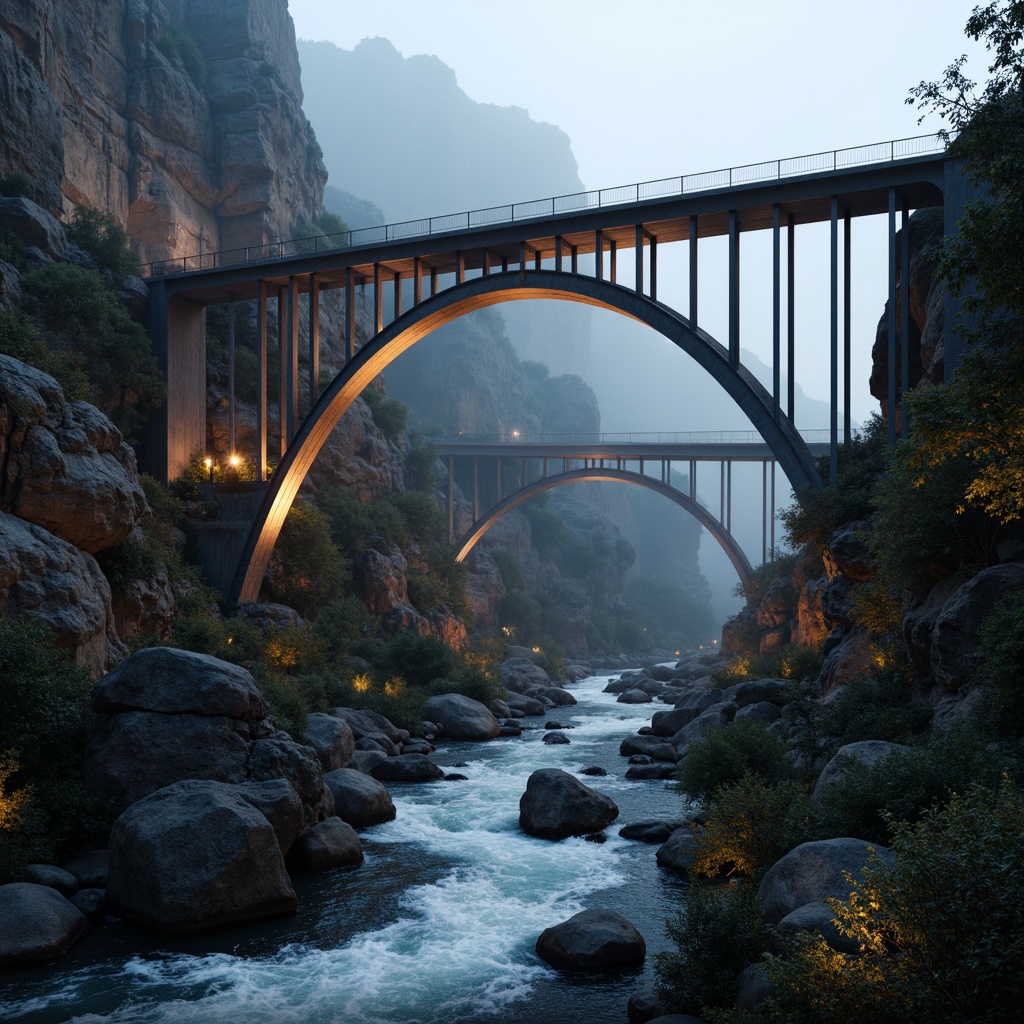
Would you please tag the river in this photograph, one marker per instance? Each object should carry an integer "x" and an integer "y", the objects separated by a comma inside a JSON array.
[{"x": 437, "y": 926}]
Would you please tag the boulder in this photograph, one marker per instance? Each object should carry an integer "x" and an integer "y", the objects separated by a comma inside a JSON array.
[
  {"x": 592, "y": 940},
  {"x": 957, "y": 630},
  {"x": 919, "y": 621},
  {"x": 660, "y": 673},
  {"x": 416, "y": 747},
  {"x": 668, "y": 723},
  {"x": 10, "y": 286},
  {"x": 329, "y": 844},
  {"x": 660, "y": 770},
  {"x": 559, "y": 697},
  {"x": 814, "y": 872},
  {"x": 678, "y": 851},
  {"x": 634, "y": 696},
  {"x": 39, "y": 924},
  {"x": 556, "y": 738},
  {"x": 166, "y": 715},
  {"x": 280, "y": 805},
  {"x": 849, "y": 552},
  {"x": 652, "y": 746},
  {"x": 594, "y": 770},
  {"x": 196, "y": 856},
  {"x": 375, "y": 741},
  {"x": 359, "y": 799},
  {"x": 90, "y": 869},
  {"x": 698, "y": 701},
  {"x": 56, "y": 878},
  {"x": 765, "y": 712},
  {"x": 33, "y": 226},
  {"x": 556, "y": 805},
  {"x": 462, "y": 717},
  {"x": 50, "y": 580},
  {"x": 867, "y": 752},
  {"x": 817, "y": 917},
  {"x": 643, "y": 1006},
  {"x": 716, "y": 717},
  {"x": 366, "y": 760},
  {"x": 525, "y": 705},
  {"x": 753, "y": 987},
  {"x": 93, "y": 905},
  {"x": 67, "y": 467},
  {"x": 851, "y": 659},
  {"x": 650, "y": 831},
  {"x": 366, "y": 723},
  {"x": 406, "y": 768},
  {"x": 331, "y": 738},
  {"x": 755, "y": 691}
]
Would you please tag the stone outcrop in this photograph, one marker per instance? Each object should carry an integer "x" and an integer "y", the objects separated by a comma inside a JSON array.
[
  {"x": 51, "y": 581},
  {"x": 166, "y": 715},
  {"x": 66, "y": 466},
  {"x": 358, "y": 799},
  {"x": 182, "y": 120},
  {"x": 196, "y": 856},
  {"x": 865, "y": 752},
  {"x": 556, "y": 805},
  {"x": 462, "y": 717}
]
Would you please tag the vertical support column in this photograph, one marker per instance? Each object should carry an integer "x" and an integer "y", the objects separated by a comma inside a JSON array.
[
  {"x": 231, "y": 374},
  {"x": 537, "y": 259},
  {"x": 612, "y": 252},
  {"x": 261, "y": 381},
  {"x": 504, "y": 264},
  {"x": 728, "y": 492},
  {"x": 693, "y": 272},
  {"x": 638, "y": 274},
  {"x": 485, "y": 256},
  {"x": 892, "y": 317},
  {"x": 764, "y": 511},
  {"x": 293, "y": 356},
  {"x": 904, "y": 318},
  {"x": 772, "y": 549},
  {"x": 378, "y": 301},
  {"x": 734, "y": 290},
  {"x": 451, "y": 499},
  {"x": 721, "y": 502},
  {"x": 776, "y": 313},
  {"x": 350, "y": 316},
  {"x": 693, "y": 479},
  {"x": 398, "y": 294},
  {"x": 433, "y": 281},
  {"x": 282, "y": 358},
  {"x": 314, "y": 339},
  {"x": 476, "y": 488},
  {"x": 558, "y": 253},
  {"x": 460, "y": 266},
  {"x": 573, "y": 258},
  {"x": 417, "y": 281},
  {"x": 500, "y": 485},
  {"x": 847, "y": 335},
  {"x": 833, "y": 367},
  {"x": 791, "y": 318},
  {"x": 598, "y": 255},
  {"x": 654, "y": 268}
]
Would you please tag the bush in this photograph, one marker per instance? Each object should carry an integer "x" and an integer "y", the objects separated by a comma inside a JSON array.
[
  {"x": 418, "y": 659},
  {"x": 879, "y": 707},
  {"x": 726, "y": 755},
  {"x": 1001, "y": 671},
  {"x": 17, "y": 183},
  {"x": 20, "y": 338},
  {"x": 750, "y": 825},
  {"x": 389, "y": 414},
  {"x": 719, "y": 932},
  {"x": 521, "y": 614},
  {"x": 764, "y": 575},
  {"x": 510, "y": 567},
  {"x": 940, "y": 931},
  {"x": 104, "y": 240},
  {"x": 176, "y": 44},
  {"x": 420, "y": 465}
]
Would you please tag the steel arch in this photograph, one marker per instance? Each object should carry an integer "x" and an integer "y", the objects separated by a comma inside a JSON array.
[{"x": 478, "y": 293}]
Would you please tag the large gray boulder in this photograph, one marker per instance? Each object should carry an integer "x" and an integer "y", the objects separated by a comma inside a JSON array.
[
  {"x": 462, "y": 717},
  {"x": 678, "y": 852},
  {"x": 653, "y": 746},
  {"x": 718, "y": 716},
  {"x": 196, "y": 856},
  {"x": 37, "y": 924},
  {"x": 407, "y": 768},
  {"x": 33, "y": 225},
  {"x": 815, "y": 872},
  {"x": 556, "y": 805},
  {"x": 819, "y": 918},
  {"x": 166, "y": 715},
  {"x": 866, "y": 752},
  {"x": 331, "y": 738},
  {"x": 329, "y": 844},
  {"x": 668, "y": 723},
  {"x": 359, "y": 799},
  {"x": 527, "y": 705},
  {"x": 755, "y": 691},
  {"x": 592, "y": 940},
  {"x": 368, "y": 723}
]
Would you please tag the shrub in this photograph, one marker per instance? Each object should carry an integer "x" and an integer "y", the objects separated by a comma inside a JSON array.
[
  {"x": 176, "y": 44},
  {"x": 17, "y": 183},
  {"x": 779, "y": 568},
  {"x": 726, "y": 755},
  {"x": 879, "y": 707},
  {"x": 418, "y": 659},
  {"x": 750, "y": 825},
  {"x": 104, "y": 239},
  {"x": 1002, "y": 665},
  {"x": 20, "y": 338},
  {"x": 719, "y": 932},
  {"x": 510, "y": 567},
  {"x": 389, "y": 414},
  {"x": 420, "y": 465},
  {"x": 520, "y": 613}
]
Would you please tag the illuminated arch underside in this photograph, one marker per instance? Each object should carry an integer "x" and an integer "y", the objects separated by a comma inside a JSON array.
[{"x": 373, "y": 358}]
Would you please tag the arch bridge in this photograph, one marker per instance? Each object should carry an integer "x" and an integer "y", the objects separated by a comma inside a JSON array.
[{"x": 566, "y": 248}]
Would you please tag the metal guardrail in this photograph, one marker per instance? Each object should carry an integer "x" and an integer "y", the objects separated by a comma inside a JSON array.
[
  {"x": 729, "y": 177},
  {"x": 641, "y": 438}
]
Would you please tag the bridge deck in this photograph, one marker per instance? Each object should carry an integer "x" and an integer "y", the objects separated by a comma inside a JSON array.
[{"x": 712, "y": 451}]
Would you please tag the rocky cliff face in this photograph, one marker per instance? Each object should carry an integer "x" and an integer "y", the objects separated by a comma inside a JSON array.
[{"x": 182, "y": 119}]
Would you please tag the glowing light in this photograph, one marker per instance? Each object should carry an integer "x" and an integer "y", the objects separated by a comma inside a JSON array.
[
  {"x": 231, "y": 640},
  {"x": 515, "y": 433},
  {"x": 393, "y": 687},
  {"x": 362, "y": 683},
  {"x": 536, "y": 650},
  {"x": 234, "y": 461}
]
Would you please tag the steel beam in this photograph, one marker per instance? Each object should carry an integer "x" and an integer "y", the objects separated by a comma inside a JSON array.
[
  {"x": 314, "y": 339},
  {"x": 734, "y": 290},
  {"x": 847, "y": 334},
  {"x": 904, "y": 319},
  {"x": 892, "y": 317},
  {"x": 791, "y": 318},
  {"x": 693, "y": 272},
  {"x": 231, "y": 377},
  {"x": 282, "y": 354},
  {"x": 261, "y": 380},
  {"x": 638, "y": 248},
  {"x": 350, "y": 316},
  {"x": 833, "y": 363},
  {"x": 776, "y": 313}
]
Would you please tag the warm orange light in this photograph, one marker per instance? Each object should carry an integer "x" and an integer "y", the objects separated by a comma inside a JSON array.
[
  {"x": 536, "y": 650},
  {"x": 234, "y": 460},
  {"x": 208, "y": 462},
  {"x": 362, "y": 683}
]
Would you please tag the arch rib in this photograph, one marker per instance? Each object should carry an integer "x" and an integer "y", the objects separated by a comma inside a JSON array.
[
  {"x": 478, "y": 293},
  {"x": 725, "y": 539}
]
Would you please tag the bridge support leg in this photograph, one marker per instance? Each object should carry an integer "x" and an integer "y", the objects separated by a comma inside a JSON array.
[
  {"x": 776, "y": 313},
  {"x": 231, "y": 375},
  {"x": 892, "y": 317},
  {"x": 282, "y": 358},
  {"x": 693, "y": 272},
  {"x": 654, "y": 268},
  {"x": 293, "y": 357},
  {"x": 314, "y": 339},
  {"x": 261, "y": 381},
  {"x": 791, "y": 318},
  {"x": 350, "y": 316},
  {"x": 847, "y": 336},
  {"x": 904, "y": 318},
  {"x": 833, "y": 445},
  {"x": 451, "y": 500},
  {"x": 734, "y": 290}
]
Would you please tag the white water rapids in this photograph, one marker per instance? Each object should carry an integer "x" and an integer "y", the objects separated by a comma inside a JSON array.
[{"x": 436, "y": 927}]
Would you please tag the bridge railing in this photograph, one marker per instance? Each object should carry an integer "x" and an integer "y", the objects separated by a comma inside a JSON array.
[
  {"x": 729, "y": 177},
  {"x": 514, "y": 437}
]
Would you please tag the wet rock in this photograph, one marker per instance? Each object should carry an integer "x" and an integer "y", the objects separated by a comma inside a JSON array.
[
  {"x": 644, "y": 1006},
  {"x": 406, "y": 768},
  {"x": 93, "y": 905},
  {"x": 677, "y": 853},
  {"x": 651, "y": 830},
  {"x": 594, "y": 770},
  {"x": 56, "y": 878},
  {"x": 634, "y": 696},
  {"x": 865, "y": 752},
  {"x": 329, "y": 844},
  {"x": 559, "y": 697},
  {"x": 196, "y": 856},
  {"x": 90, "y": 869},
  {"x": 652, "y": 746},
  {"x": 658, "y": 770},
  {"x": 592, "y": 940},
  {"x": 556, "y": 737},
  {"x": 39, "y": 924},
  {"x": 462, "y": 717},
  {"x": 556, "y": 805},
  {"x": 359, "y": 799},
  {"x": 332, "y": 740}
]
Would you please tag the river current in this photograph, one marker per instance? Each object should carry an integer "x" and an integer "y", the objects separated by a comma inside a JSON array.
[{"x": 436, "y": 927}]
